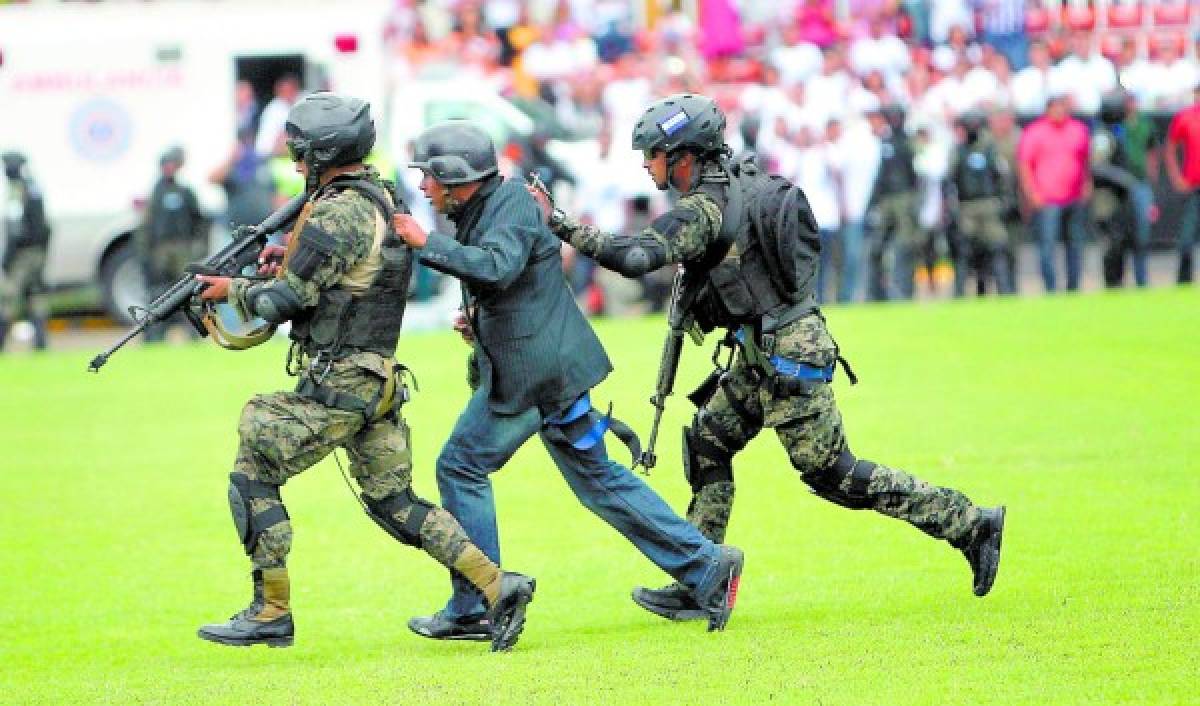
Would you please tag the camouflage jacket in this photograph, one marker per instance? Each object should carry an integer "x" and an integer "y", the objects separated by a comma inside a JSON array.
[
  {"x": 682, "y": 236},
  {"x": 352, "y": 219}
]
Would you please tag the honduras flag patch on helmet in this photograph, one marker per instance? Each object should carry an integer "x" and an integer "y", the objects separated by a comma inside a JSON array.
[{"x": 674, "y": 124}]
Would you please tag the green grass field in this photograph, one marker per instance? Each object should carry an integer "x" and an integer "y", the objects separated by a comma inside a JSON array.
[{"x": 1079, "y": 413}]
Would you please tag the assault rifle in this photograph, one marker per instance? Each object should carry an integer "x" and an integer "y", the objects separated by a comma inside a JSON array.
[
  {"x": 679, "y": 322},
  {"x": 229, "y": 261}
]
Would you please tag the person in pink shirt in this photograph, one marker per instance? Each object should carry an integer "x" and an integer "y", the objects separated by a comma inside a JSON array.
[
  {"x": 1052, "y": 163},
  {"x": 1184, "y": 135}
]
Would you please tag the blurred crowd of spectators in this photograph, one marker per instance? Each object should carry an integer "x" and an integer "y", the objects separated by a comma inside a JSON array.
[{"x": 799, "y": 80}]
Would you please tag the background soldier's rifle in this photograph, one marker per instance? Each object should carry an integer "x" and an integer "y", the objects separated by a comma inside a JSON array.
[
  {"x": 679, "y": 322},
  {"x": 229, "y": 261}
]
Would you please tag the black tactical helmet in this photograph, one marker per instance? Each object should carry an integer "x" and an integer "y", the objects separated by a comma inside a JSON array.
[
  {"x": 13, "y": 162},
  {"x": 1113, "y": 107},
  {"x": 172, "y": 154},
  {"x": 329, "y": 130},
  {"x": 455, "y": 152},
  {"x": 680, "y": 121},
  {"x": 973, "y": 121}
]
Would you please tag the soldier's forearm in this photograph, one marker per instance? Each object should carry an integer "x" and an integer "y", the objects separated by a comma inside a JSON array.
[{"x": 631, "y": 256}]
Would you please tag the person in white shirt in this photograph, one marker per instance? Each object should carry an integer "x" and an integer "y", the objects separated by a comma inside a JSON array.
[
  {"x": 1174, "y": 75},
  {"x": 1085, "y": 73},
  {"x": 880, "y": 51},
  {"x": 1030, "y": 85},
  {"x": 818, "y": 174},
  {"x": 269, "y": 140},
  {"x": 828, "y": 90},
  {"x": 859, "y": 152}
]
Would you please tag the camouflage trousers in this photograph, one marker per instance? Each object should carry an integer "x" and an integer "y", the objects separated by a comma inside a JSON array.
[
  {"x": 283, "y": 434},
  {"x": 892, "y": 255},
  {"x": 810, "y": 428},
  {"x": 22, "y": 291}
]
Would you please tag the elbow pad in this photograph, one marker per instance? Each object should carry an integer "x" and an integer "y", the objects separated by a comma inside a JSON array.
[
  {"x": 274, "y": 302},
  {"x": 644, "y": 254}
]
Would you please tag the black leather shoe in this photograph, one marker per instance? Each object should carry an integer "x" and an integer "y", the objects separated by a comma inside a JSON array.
[
  {"x": 983, "y": 553},
  {"x": 440, "y": 627},
  {"x": 508, "y": 615},
  {"x": 674, "y": 602},
  {"x": 718, "y": 598}
]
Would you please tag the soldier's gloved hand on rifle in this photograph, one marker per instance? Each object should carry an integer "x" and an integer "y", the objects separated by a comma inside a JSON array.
[
  {"x": 217, "y": 289},
  {"x": 462, "y": 324}
]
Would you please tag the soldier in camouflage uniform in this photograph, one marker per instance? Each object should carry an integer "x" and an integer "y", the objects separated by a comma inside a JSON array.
[
  {"x": 896, "y": 238},
  {"x": 24, "y": 238},
  {"x": 173, "y": 234},
  {"x": 342, "y": 286},
  {"x": 785, "y": 356},
  {"x": 977, "y": 182}
]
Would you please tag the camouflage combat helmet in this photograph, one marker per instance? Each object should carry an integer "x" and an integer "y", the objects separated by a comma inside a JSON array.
[
  {"x": 329, "y": 130},
  {"x": 455, "y": 152},
  {"x": 683, "y": 120}
]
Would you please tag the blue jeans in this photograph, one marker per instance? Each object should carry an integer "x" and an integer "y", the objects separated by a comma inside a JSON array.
[
  {"x": 1187, "y": 235},
  {"x": 483, "y": 441},
  {"x": 1143, "y": 202},
  {"x": 852, "y": 260},
  {"x": 1048, "y": 224}
]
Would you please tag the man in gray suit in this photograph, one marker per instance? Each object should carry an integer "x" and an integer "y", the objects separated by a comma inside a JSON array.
[{"x": 538, "y": 359}]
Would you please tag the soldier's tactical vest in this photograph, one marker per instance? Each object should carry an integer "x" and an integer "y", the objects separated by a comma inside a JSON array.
[
  {"x": 896, "y": 172},
  {"x": 363, "y": 312},
  {"x": 977, "y": 174},
  {"x": 763, "y": 265}
]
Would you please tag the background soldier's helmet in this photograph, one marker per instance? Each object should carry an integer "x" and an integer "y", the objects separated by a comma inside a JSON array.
[
  {"x": 1113, "y": 107},
  {"x": 172, "y": 155},
  {"x": 972, "y": 123},
  {"x": 329, "y": 130},
  {"x": 13, "y": 162},
  {"x": 455, "y": 152},
  {"x": 683, "y": 120}
]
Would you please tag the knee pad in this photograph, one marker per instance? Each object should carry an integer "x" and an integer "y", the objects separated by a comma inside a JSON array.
[
  {"x": 384, "y": 511},
  {"x": 250, "y": 526},
  {"x": 827, "y": 482},
  {"x": 704, "y": 462}
]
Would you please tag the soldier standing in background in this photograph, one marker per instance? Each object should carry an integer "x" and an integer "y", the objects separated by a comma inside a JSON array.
[
  {"x": 896, "y": 236},
  {"x": 173, "y": 234},
  {"x": 23, "y": 252},
  {"x": 976, "y": 182}
]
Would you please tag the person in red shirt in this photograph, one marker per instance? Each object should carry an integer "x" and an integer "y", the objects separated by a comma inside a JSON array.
[
  {"x": 1052, "y": 163},
  {"x": 1184, "y": 134}
]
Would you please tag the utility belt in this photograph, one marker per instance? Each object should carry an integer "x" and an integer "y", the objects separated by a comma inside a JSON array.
[
  {"x": 385, "y": 403},
  {"x": 783, "y": 376}
]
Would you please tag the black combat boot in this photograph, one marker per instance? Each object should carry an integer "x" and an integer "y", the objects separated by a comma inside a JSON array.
[
  {"x": 983, "y": 553},
  {"x": 507, "y": 615},
  {"x": 266, "y": 621},
  {"x": 673, "y": 602}
]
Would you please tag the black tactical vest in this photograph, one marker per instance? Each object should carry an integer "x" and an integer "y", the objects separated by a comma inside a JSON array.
[
  {"x": 976, "y": 173},
  {"x": 896, "y": 172},
  {"x": 762, "y": 267},
  {"x": 343, "y": 323}
]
